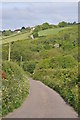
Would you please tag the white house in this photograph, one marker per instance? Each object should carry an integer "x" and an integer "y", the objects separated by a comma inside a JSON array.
[
  {"x": 33, "y": 28},
  {"x": 18, "y": 31}
]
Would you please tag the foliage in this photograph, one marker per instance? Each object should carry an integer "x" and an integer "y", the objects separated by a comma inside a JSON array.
[
  {"x": 62, "y": 24},
  {"x": 59, "y": 61},
  {"x": 28, "y": 28},
  {"x": 56, "y": 67},
  {"x": 51, "y": 31},
  {"x": 35, "y": 34},
  {"x": 44, "y": 26},
  {"x": 29, "y": 66},
  {"x": 37, "y": 28},
  {"x": 23, "y": 29},
  {"x": 64, "y": 81},
  {"x": 15, "y": 88},
  {"x": 6, "y": 32}
]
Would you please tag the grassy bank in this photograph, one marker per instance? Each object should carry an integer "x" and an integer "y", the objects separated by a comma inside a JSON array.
[{"x": 15, "y": 87}]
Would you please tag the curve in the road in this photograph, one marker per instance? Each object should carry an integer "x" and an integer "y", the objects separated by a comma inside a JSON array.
[{"x": 43, "y": 102}]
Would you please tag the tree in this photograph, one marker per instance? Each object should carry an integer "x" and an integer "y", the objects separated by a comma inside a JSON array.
[
  {"x": 70, "y": 23},
  {"x": 23, "y": 28},
  {"x": 28, "y": 28},
  {"x": 29, "y": 66},
  {"x": 6, "y": 32},
  {"x": 62, "y": 24},
  {"x": 74, "y": 23},
  {"x": 45, "y": 26},
  {"x": 37, "y": 28}
]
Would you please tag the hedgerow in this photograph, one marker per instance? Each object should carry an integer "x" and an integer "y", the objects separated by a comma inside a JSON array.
[
  {"x": 15, "y": 87},
  {"x": 64, "y": 81}
]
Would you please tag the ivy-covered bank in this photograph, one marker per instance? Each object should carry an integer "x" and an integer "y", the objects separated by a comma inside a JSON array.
[{"x": 15, "y": 87}]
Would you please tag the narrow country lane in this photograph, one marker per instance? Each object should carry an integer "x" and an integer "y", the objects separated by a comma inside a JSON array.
[{"x": 43, "y": 102}]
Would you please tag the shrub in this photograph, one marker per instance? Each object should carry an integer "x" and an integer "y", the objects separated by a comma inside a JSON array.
[
  {"x": 64, "y": 81},
  {"x": 6, "y": 32},
  {"x": 62, "y": 24},
  {"x": 46, "y": 26},
  {"x": 29, "y": 66},
  {"x": 67, "y": 61},
  {"x": 15, "y": 87},
  {"x": 35, "y": 34}
]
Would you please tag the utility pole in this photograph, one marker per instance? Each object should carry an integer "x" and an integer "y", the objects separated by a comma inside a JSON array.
[
  {"x": 21, "y": 62},
  {"x": 21, "y": 58},
  {"x": 9, "y": 52}
]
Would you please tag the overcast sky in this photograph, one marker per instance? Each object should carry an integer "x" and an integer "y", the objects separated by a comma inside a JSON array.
[{"x": 16, "y": 15}]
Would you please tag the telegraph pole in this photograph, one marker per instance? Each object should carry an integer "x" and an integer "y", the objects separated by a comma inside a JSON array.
[
  {"x": 9, "y": 55},
  {"x": 21, "y": 62}
]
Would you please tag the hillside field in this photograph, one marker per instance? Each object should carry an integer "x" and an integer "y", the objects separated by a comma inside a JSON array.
[
  {"x": 16, "y": 37},
  {"x": 51, "y": 31}
]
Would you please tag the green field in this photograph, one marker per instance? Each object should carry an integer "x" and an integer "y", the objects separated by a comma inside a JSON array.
[
  {"x": 51, "y": 31},
  {"x": 25, "y": 35},
  {"x": 15, "y": 37}
]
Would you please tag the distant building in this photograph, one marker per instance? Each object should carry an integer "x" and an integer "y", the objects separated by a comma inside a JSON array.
[
  {"x": 17, "y": 31},
  {"x": 33, "y": 28},
  {"x": 56, "y": 45}
]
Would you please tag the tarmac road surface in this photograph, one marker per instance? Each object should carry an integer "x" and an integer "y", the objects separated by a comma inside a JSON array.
[{"x": 43, "y": 102}]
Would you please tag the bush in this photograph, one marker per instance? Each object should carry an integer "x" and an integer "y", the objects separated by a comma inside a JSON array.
[
  {"x": 46, "y": 26},
  {"x": 64, "y": 81},
  {"x": 6, "y": 32},
  {"x": 29, "y": 66},
  {"x": 15, "y": 88},
  {"x": 62, "y": 24},
  {"x": 35, "y": 34},
  {"x": 66, "y": 61}
]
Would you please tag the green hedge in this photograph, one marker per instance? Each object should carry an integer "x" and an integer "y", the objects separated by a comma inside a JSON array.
[
  {"x": 15, "y": 88},
  {"x": 64, "y": 81},
  {"x": 29, "y": 66}
]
